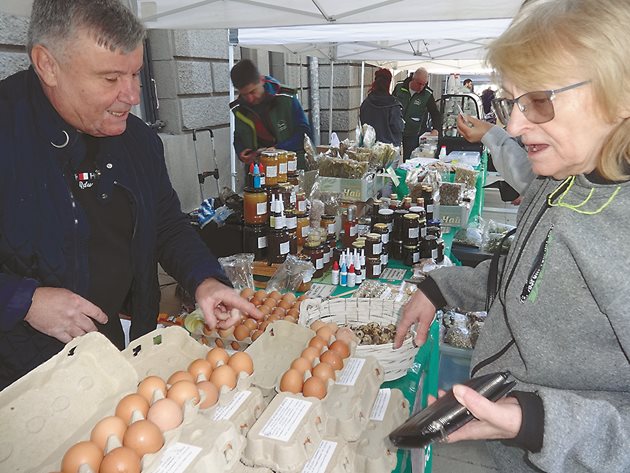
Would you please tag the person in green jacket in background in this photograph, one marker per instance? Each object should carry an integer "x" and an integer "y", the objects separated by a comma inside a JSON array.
[
  {"x": 418, "y": 103},
  {"x": 268, "y": 114}
]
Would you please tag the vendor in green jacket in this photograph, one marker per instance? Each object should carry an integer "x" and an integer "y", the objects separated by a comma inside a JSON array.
[
  {"x": 418, "y": 102},
  {"x": 268, "y": 114}
]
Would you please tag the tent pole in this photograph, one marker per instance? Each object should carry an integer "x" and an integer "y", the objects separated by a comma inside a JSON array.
[
  {"x": 313, "y": 88},
  {"x": 362, "y": 79},
  {"x": 330, "y": 99},
  {"x": 232, "y": 152}
]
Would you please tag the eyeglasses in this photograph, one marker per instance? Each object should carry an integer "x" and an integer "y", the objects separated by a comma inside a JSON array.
[{"x": 536, "y": 106}]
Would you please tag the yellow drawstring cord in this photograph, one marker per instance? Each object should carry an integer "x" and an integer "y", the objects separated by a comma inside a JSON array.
[{"x": 576, "y": 208}]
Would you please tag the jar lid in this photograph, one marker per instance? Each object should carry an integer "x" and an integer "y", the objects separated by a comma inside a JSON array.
[
  {"x": 401, "y": 211},
  {"x": 270, "y": 154},
  {"x": 386, "y": 212},
  {"x": 254, "y": 190},
  {"x": 416, "y": 209},
  {"x": 430, "y": 238},
  {"x": 381, "y": 226},
  {"x": 410, "y": 247},
  {"x": 373, "y": 259},
  {"x": 411, "y": 216},
  {"x": 291, "y": 153},
  {"x": 373, "y": 236}
]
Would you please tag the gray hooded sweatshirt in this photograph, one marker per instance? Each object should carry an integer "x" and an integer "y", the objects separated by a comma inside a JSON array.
[{"x": 561, "y": 323}]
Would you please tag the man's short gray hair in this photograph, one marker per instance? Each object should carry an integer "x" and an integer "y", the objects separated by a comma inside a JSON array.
[{"x": 56, "y": 22}]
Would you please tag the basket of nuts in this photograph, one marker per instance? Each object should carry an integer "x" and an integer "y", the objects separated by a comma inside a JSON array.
[{"x": 373, "y": 321}]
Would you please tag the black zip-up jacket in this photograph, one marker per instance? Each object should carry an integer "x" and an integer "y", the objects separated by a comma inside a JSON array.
[
  {"x": 384, "y": 113},
  {"x": 44, "y": 232}
]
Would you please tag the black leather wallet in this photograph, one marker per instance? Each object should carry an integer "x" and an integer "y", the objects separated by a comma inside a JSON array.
[{"x": 446, "y": 415}]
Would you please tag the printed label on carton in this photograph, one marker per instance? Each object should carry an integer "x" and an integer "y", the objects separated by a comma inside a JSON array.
[
  {"x": 225, "y": 412},
  {"x": 350, "y": 373},
  {"x": 380, "y": 404},
  {"x": 177, "y": 458},
  {"x": 287, "y": 418},
  {"x": 321, "y": 458}
]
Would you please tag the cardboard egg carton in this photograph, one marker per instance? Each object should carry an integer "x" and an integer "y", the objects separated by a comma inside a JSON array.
[
  {"x": 241, "y": 407},
  {"x": 286, "y": 435},
  {"x": 374, "y": 451},
  {"x": 57, "y": 404},
  {"x": 274, "y": 351},
  {"x": 350, "y": 399},
  {"x": 331, "y": 456}
]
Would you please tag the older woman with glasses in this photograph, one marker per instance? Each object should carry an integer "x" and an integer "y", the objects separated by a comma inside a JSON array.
[{"x": 559, "y": 318}]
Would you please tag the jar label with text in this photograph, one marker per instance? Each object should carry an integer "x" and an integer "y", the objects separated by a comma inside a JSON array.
[
  {"x": 283, "y": 168},
  {"x": 284, "y": 248},
  {"x": 292, "y": 165},
  {"x": 414, "y": 232},
  {"x": 272, "y": 171},
  {"x": 261, "y": 208},
  {"x": 262, "y": 242}
]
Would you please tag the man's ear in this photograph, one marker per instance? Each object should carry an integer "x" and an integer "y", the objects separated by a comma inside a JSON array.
[{"x": 45, "y": 65}]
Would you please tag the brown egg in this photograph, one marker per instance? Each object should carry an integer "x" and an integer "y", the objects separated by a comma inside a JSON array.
[
  {"x": 143, "y": 437},
  {"x": 286, "y": 305},
  {"x": 241, "y": 332},
  {"x": 82, "y": 453},
  {"x": 211, "y": 394},
  {"x": 182, "y": 391},
  {"x": 166, "y": 414},
  {"x": 279, "y": 311},
  {"x": 324, "y": 371},
  {"x": 130, "y": 403},
  {"x": 314, "y": 387},
  {"x": 263, "y": 325},
  {"x": 345, "y": 334},
  {"x": 294, "y": 313},
  {"x": 251, "y": 323},
  {"x": 240, "y": 362},
  {"x": 318, "y": 342},
  {"x": 325, "y": 332},
  {"x": 275, "y": 295},
  {"x": 200, "y": 366},
  {"x": 270, "y": 302},
  {"x": 121, "y": 460},
  {"x": 217, "y": 354},
  {"x": 224, "y": 376},
  {"x": 149, "y": 385},
  {"x": 292, "y": 381},
  {"x": 333, "y": 359},
  {"x": 106, "y": 427},
  {"x": 341, "y": 348},
  {"x": 301, "y": 364},
  {"x": 255, "y": 334},
  {"x": 235, "y": 346},
  {"x": 264, "y": 310},
  {"x": 181, "y": 375},
  {"x": 262, "y": 294},
  {"x": 310, "y": 353},
  {"x": 289, "y": 297},
  {"x": 315, "y": 326},
  {"x": 219, "y": 343},
  {"x": 273, "y": 317},
  {"x": 247, "y": 293}
]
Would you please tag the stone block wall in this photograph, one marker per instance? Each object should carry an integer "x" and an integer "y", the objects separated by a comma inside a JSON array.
[{"x": 13, "y": 57}]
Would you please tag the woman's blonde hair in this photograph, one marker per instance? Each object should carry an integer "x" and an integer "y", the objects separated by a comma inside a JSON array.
[{"x": 551, "y": 41}]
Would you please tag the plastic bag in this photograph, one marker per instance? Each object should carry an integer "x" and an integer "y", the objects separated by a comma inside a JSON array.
[
  {"x": 238, "y": 269},
  {"x": 291, "y": 274},
  {"x": 451, "y": 193},
  {"x": 310, "y": 155},
  {"x": 457, "y": 333},
  {"x": 493, "y": 235},
  {"x": 466, "y": 176}
]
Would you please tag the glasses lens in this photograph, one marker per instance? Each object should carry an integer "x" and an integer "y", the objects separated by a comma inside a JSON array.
[
  {"x": 537, "y": 106},
  {"x": 503, "y": 109}
]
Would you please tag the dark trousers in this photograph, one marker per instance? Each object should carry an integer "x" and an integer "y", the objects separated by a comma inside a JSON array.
[{"x": 409, "y": 144}]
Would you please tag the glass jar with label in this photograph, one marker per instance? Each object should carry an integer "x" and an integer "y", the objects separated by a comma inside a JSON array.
[
  {"x": 373, "y": 267},
  {"x": 430, "y": 247},
  {"x": 302, "y": 229},
  {"x": 350, "y": 230},
  {"x": 397, "y": 231},
  {"x": 411, "y": 229},
  {"x": 255, "y": 206},
  {"x": 328, "y": 224},
  {"x": 291, "y": 162},
  {"x": 440, "y": 250},
  {"x": 427, "y": 195},
  {"x": 293, "y": 178},
  {"x": 376, "y": 206},
  {"x": 373, "y": 245},
  {"x": 278, "y": 245},
  {"x": 300, "y": 202},
  {"x": 282, "y": 166},
  {"x": 385, "y": 216},
  {"x": 291, "y": 222},
  {"x": 422, "y": 215},
  {"x": 255, "y": 240},
  {"x": 270, "y": 160},
  {"x": 314, "y": 249},
  {"x": 410, "y": 254},
  {"x": 395, "y": 249},
  {"x": 381, "y": 229}
]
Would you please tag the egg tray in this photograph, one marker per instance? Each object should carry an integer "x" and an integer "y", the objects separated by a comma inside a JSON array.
[
  {"x": 274, "y": 351},
  {"x": 348, "y": 406},
  {"x": 374, "y": 451},
  {"x": 286, "y": 435},
  {"x": 332, "y": 456},
  {"x": 241, "y": 407}
]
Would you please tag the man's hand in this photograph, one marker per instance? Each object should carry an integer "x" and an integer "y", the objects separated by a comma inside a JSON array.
[
  {"x": 493, "y": 420},
  {"x": 248, "y": 155},
  {"x": 474, "y": 133},
  {"x": 418, "y": 310},
  {"x": 218, "y": 301},
  {"x": 63, "y": 314}
]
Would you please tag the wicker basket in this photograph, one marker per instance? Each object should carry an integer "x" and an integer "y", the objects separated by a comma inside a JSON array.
[{"x": 358, "y": 311}]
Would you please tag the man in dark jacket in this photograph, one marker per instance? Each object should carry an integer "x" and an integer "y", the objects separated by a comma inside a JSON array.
[
  {"x": 86, "y": 206},
  {"x": 418, "y": 103},
  {"x": 267, "y": 114},
  {"x": 382, "y": 111}
]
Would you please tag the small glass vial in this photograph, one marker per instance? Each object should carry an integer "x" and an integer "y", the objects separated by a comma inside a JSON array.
[
  {"x": 350, "y": 226},
  {"x": 427, "y": 195}
]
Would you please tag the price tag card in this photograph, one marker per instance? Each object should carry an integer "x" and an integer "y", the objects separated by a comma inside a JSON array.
[
  {"x": 350, "y": 373},
  {"x": 177, "y": 458},
  {"x": 393, "y": 274},
  {"x": 286, "y": 419},
  {"x": 225, "y": 412},
  {"x": 380, "y": 404},
  {"x": 321, "y": 290},
  {"x": 321, "y": 458}
]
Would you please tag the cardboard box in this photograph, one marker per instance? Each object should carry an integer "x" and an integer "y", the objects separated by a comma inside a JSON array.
[{"x": 353, "y": 190}]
